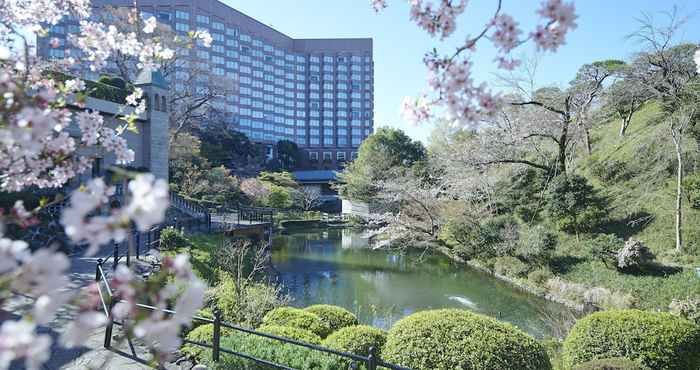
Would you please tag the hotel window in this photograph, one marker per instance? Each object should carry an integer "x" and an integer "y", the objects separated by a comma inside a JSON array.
[
  {"x": 182, "y": 27},
  {"x": 217, "y": 59},
  {"x": 340, "y": 156},
  {"x": 245, "y": 37},
  {"x": 218, "y": 37},
  {"x": 202, "y": 19},
  {"x": 353, "y": 155},
  {"x": 232, "y": 43},
  {"x": 179, "y": 14},
  {"x": 342, "y": 140},
  {"x": 232, "y": 31},
  {"x": 328, "y": 59},
  {"x": 341, "y": 60},
  {"x": 203, "y": 54},
  {"x": 217, "y": 26},
  {"x": 327, "y": 156},
  {"x": 218, "y": 71},
  {"x": 314, "y": 59},
  {"x": 217, "y": 48},
  {"x": 314, "y": 141},
  {"x": 313, "y": 156}
]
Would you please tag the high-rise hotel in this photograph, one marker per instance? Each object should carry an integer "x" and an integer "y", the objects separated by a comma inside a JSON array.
[{"x": 318, "y": 93}]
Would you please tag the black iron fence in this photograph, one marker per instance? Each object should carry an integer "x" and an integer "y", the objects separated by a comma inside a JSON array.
[{"x": 370, "y": 362}]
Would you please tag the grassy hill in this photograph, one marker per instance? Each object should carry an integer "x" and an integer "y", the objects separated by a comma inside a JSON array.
[{"x": 636, "y": 173}]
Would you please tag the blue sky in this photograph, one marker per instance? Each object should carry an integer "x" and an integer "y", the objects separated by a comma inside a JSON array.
[{"x": 399, "y": 45}]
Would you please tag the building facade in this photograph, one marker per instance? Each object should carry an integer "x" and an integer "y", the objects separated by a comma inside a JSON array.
[{"x": 318, "y": 93}]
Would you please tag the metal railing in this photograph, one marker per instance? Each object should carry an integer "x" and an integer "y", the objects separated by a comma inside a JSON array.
[{"x": 371, "y": 361}]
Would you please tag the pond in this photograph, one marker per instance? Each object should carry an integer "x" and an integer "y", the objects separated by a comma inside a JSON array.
[{"x": 336, "y": 266}]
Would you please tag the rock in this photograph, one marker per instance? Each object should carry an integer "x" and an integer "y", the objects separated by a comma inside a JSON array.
[
  {"x": 200, "y": 367},
  {"x": 633, "y": 255}
]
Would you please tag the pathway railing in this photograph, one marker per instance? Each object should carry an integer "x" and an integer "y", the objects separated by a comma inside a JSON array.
[{"x": 371, "y": 362}]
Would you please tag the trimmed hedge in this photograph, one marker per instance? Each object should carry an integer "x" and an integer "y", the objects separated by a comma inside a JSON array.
[
  {"x": 660, "y": 341},
  {"x": 457, "y": 339},
  {"x": 172, "y": 238},
  {"x": 291, "y": 333},
  {"x": 335, "y": 317},
  {"x": 357, "y": 339},
  {"x": 297, "y": 318},
  {"x": 618, "y": 363},
  {"x": 204, "y": 334}
]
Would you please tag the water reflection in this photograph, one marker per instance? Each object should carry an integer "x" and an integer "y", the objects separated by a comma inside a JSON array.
[{"x": 336, "y": 266}]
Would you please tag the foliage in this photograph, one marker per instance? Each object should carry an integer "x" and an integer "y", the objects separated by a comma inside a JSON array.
[
  {"x": 100, "y": 89},
  {"x": 535, "y": 245},
  {"x": 222, "y": 146},
  {"x": 616, "y": 363},
  {"x": 610, "y": 171},
  {"x": 297, "y": 318},
  {"x": 481, "y": 239},
  {"x": 691, "y": 187},
  {"x": 334, "y": 316},
  {"x": 203, "y": 334},
  {"x": 451, "y": 339},
  {"x": 288, "y": 154},
  {"x": 510, "y": 266},
  {"x": 540, "y": 276},
  {"x": 688, "y": 308},
  {"x": 633, "y": 256},
  {"x": 604, "y": 247},
  {"x": 574, "y": 205},
  {"x": 279, "y": 197},
  {"x": 291, "y": 333},
  {"x": 172, "y": 238},
  {"x": 271, "y": 350},
  {"x": 658, "y": 340},
  {"x": 380, "y": 155},
  {"x": 281, "y": 179},
  {"x": 256, "y": 300},
  {"x": 357, "y": 339}
]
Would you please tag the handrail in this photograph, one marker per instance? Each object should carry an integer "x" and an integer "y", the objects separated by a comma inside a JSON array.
[{"x": 372, "y": 361}]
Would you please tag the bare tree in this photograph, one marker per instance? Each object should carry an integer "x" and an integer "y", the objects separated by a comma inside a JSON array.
[
  {"x": 309, "y": 197},
  {"x": 678, "y": 124},
  {"x": 624, "y": 98}
]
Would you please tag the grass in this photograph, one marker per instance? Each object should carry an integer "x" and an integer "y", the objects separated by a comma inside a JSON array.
[{"x": 201, "y": 255}]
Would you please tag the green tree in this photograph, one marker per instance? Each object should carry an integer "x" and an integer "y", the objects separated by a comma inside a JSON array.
[
  {"x": 225, "y": 147},
  {"x": 574, "y": 205},
  {"x": 288, "y": 154},
  {"x": 382, "y": 155}
]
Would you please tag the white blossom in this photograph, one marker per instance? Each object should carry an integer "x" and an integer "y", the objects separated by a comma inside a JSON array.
[{"x": 150, "y": 25}]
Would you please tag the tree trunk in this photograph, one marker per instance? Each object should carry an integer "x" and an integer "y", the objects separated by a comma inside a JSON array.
[
  {"x": 625, "y": 124},
  {"x": 679, "y": 196},
  {"x": 589, "y": 147}
]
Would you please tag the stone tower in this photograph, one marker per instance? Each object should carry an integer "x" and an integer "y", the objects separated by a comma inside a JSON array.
[{"x": 155, "y": 130}]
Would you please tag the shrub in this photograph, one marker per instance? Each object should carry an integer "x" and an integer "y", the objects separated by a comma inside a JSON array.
[
  {"x": 251, "y": 305},
  {"x": 492, "y": 237},
  {"x": 297, "y": 318},
  {"x": 688, "y": 308},
  {"x": 691, "y": 187},
  {"x": 457, "y": 339},
  {"x": 335, "y": 317},
  {"x": 203, "y": 334},
  {"x": 610, "y": 170},
  {"x": 357, "y": 339},
  {"x": 633, "y": 255},
  {"x": 510, "y": 266},
  {"x": 291, "y": 333},
  {"x": 658, "y": 340},
  {"x": 574, "y": 205},
  {"x": 536, "y": 245},
  {"x": 540, "y": 276},
  {"x": 290, "y": 355},
  {"x": 617, "y": 363},
  {"x": 172, "y": 238},
  {"x": 604, "y": 247}
]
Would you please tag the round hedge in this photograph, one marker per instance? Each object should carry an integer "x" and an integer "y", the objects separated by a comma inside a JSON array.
[
  {"x": 660, "y": 341},
  {"x": 297, "y": 318},
  {"x": 457, "y": 339},
  {"x": 291, "y": 333},
  {"x": 357, "y": 339},
  {"x": 618, "y": 363},
  {"x": 335, "y": 317}
]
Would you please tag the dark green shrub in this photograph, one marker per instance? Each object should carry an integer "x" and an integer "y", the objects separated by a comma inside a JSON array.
[
  {"x": 660, "y": 341},
  {"x": 297, "y": 318},
  {"x": 113, "y": 81},
  {"x": 536, "y": 245},
  {"x": 618, "y": 363},
  {"x": 271, "y": 350},
  {"x": 574, "y": 205},
  {"x": 172, "y": 238},
  {"x": 510, "y": 266},
  {"x": 291, "y": 333},
  {"x": 691, "y": 187},
  {"x": 357, "y": 339},
  {"x": 540, "y": 276},
  {"x": 457, "y": 339},
  {"x": 335, "y": 317},
  {"x": 492, "y": 237},
  {"x": 610, "y": 170},
  {"x": 202, "y": 334},
  {"x": 604, "y": 247}
]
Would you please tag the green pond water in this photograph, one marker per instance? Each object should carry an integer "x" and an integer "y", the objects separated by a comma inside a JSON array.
[{"x": 336, "y": 266}]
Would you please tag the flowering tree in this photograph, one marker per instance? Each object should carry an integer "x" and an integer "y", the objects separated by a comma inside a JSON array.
[
  {"x": 36, "y": 151},
  {"x": 449, "y": 76}
]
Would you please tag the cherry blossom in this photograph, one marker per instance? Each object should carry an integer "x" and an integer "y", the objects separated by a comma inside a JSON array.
[
  {"x": 150, "y": 25},
  {"x": 378, "y": 4},
  {"x": 697, "y": 59}
]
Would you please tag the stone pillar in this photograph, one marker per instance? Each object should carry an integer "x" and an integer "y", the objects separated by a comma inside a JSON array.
[{"x": 156, "y": 138}]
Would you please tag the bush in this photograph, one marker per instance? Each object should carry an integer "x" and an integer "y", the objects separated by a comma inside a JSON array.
[
  {"x": 457, "y": 339},
  {"x": 290, "y": 355},
  {"x": 357, "y": 339},
  {"x": 604, "y": 247},
  {"x": 540, "y": 276},
  {"x": 291, "y": 333},
  {"x": 688, "y": 308},
  {"x": 493, "y": 237},
  {"x": 249, "y": 307},
  {"x": 536, "y": 245},
  {"x": 658, "y": 340},
  {"x": 510, "y": 266},
  {"x": 610, "y": 170},
  {"x": 297, "y": 318},
  {"x": 618, "y": 363},
  {"x": 172, "y": 238},
  {"x": 574, "y": 205},
  {"x": 633, "y": 255},
  {"x": 203, "y": 334},
  {"x": 335, "y": 317}
]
